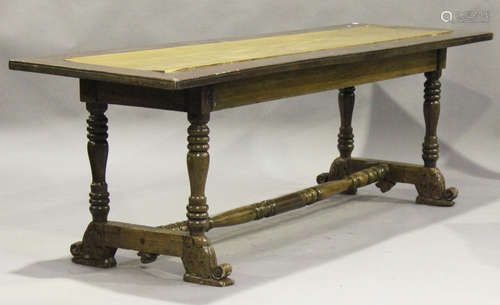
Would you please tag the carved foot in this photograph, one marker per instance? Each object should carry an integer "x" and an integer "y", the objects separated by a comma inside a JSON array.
[
  {"x": 201, "y": 266},
  {"x": 432, "y": 191},
  {"x": 88, "y": 252}
]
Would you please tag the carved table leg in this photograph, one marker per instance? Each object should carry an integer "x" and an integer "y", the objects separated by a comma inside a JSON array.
[
  {"x": 340, "y": 167},
  {"x": 198, "y": 255},
  {"x": 431, "y": 188},
  {"x": 88, "y": 251}
]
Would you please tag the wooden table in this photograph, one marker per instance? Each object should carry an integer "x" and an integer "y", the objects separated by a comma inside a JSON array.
[{"x": 201, "y": 77}]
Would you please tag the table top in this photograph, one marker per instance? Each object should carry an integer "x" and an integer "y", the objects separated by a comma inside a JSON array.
[
  {"x": 195, "y": 56},
  {"x": 192, "y": 64}
]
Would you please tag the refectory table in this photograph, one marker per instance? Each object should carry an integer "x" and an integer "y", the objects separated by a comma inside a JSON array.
[{"x": 205, "y": 76}]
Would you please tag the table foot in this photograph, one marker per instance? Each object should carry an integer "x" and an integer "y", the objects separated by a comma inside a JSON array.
[
  {"x": 429, "y": 182},
  {"x": 431, "y": 189},
  {"x": 88, "y": 252},
  {"x": 201, "y": 265},
  {"x": 207, "y": 281},
  {"x": 435, "y": 202}
]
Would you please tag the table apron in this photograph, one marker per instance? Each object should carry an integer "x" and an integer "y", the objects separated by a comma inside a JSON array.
[
  {"x": 288, "y": 84},
  {"x": 265, "y": 88}
]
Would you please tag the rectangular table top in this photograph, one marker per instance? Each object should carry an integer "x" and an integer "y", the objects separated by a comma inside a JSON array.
[{"x": 192, "y": 64}]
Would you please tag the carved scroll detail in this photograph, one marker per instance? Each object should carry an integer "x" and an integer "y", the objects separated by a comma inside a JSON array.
[
  {"x": 432, "y": 190},
  {"x": 90, "y": 251},
  {"x": 201, "y": 266}
]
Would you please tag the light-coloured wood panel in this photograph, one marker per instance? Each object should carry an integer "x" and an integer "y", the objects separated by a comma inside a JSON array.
[
  {"x": 208, "y": 54},
  {"x": 288, "y": 84}
]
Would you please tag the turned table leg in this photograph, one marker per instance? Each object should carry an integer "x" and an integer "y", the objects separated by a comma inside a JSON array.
[
  {"x": 198, "y": 256},
  {"x": 431, "y": 188},
  {"x": 430, "y": 147},
  {"x": 345, "y": 136},
  {"x": 340, "y": 167},
  {"x": 88, "y": 251}
]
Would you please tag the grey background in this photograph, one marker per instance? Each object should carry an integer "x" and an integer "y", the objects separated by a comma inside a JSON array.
[{"x": 257, "y": 152}]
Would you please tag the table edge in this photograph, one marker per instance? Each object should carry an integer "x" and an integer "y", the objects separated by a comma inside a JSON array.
[{"x": 56, "y": 65}]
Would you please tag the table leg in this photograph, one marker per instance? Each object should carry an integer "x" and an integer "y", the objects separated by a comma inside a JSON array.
[
  {"x": 89, "y": 251},
  {"x": 340, "y": 167},
  {"x": 431, "y": 188},
  {"x": 430, "y": 147},
  {"x": 198, "y": 256},
  {"x": 345, "y": 136}
]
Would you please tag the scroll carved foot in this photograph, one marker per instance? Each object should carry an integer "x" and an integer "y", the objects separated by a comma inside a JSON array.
[
  {"x": 200, "y": 263},
  {"x": 432, "y": 191},
  {"x": 89, "y": 251}
]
